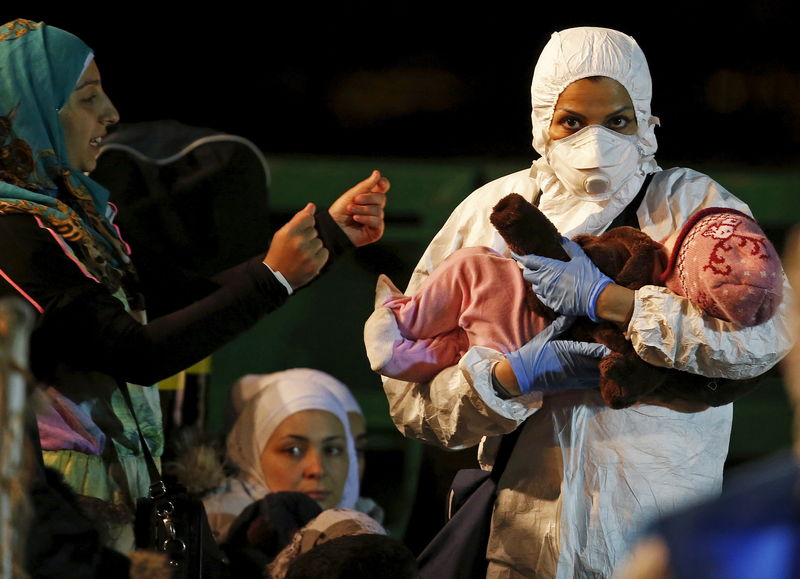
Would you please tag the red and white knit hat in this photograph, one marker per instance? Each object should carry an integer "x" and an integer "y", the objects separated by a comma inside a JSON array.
[{"x": 725, "y": 265}]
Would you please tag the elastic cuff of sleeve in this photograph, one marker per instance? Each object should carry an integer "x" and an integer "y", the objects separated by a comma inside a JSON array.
[
  {"x": 333, "y": 238},
  {"x": 502, "y": 393},
  {"x": 279, "y": 276},
  {"x": 518, "y": 367},
  {"x": 593, "y": 295}
]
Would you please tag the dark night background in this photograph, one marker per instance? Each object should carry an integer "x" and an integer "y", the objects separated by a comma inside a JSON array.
[
  {"x": 438, "y": 80},
  {"x": 352, "y": 85}
]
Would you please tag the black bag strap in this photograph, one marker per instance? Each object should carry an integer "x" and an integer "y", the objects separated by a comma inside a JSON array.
[
  {"x": 207, "y": 559},
  {"x": 627, "y": 216},
  {"x": 507, "y": 444},
  {"x": 157, "y": 486}
]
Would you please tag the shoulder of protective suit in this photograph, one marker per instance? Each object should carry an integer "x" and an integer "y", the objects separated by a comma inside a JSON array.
[
  {"x": 677, "y": 176},
  {"x": 680, "y": 179},
  {"x": 689, "y": 188}
]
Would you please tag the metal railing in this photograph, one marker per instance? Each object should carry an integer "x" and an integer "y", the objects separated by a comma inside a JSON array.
[{"x": 16, "y": 320}]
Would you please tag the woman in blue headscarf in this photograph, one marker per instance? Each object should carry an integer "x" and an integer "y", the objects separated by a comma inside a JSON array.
[{"x": 60, "y": 251}]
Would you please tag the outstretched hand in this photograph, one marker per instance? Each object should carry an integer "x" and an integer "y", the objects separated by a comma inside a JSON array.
[
  {"x": 359, "y": 211},
  {"x": 296, "y": 250}
]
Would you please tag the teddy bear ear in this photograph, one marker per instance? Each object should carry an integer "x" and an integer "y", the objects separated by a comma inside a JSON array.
[
  {"x": 526, "y": 229},
  {"x": 644, "y": 266},
  {"x": 627, "y": 255}
]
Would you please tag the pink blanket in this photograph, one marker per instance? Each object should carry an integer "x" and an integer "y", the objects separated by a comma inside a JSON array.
[{"x": 476, "y": 297}]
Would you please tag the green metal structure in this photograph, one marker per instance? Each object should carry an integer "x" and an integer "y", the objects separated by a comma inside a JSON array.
[{"x": 321, "y": 327}]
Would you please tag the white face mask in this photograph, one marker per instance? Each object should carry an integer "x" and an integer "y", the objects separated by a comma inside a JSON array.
[{"x": 595, "y": 162}]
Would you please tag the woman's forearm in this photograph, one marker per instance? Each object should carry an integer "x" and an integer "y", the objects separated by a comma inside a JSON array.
[
  {"x": 615, "y": 304},
  {"x": 503, "y": 375}
]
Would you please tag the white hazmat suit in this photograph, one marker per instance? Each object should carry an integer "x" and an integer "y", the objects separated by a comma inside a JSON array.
[{"x": 583, "y": 477}]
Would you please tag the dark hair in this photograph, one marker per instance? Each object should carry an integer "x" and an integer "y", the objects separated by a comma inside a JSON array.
[
  {"x": 356, "y": 557},
  {"x": 16, "y": 157}
]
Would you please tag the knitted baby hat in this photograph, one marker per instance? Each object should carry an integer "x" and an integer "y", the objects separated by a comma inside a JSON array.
[{"x": 725, "y": 265}]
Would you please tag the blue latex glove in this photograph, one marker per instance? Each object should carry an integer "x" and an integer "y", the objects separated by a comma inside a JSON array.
[
  {"x": 567, "y": 287},
  {"x": 546, "y": 364}
]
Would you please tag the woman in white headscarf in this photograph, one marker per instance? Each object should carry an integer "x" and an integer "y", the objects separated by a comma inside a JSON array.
[
  {"x": 290, "y": 436},
  {"x": 584, "y": 477},
  {"x": 250, "y": 385}
]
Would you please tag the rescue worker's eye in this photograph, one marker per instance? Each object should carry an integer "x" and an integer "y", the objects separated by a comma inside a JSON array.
[
  {"x": 618, "y": 123},
  {"x": 571, "y": 123}
]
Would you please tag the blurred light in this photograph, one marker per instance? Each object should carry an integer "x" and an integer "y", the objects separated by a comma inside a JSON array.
[
  {"x": 364, "y": 97},
  {"x": 727, "y": 91}
]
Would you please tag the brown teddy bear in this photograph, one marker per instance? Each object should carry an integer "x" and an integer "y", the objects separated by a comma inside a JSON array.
[
  {"x": 478, "y": 298},
  {"x": 632, "y": 259}
]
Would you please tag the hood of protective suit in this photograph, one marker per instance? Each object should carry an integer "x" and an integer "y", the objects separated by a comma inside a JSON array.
[
  {"x": 571, "y": 55},
  {"x": 578, "y": 53}
]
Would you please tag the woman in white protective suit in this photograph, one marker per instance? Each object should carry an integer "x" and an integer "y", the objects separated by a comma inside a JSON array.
[{"x": 583, "y": 477}]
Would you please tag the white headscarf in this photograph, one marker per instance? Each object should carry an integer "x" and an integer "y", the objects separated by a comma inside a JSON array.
[
  {"x": 249, "y": 385},
  {"x": 568, "y": 56},
  {"x": 261, "y": 411}
]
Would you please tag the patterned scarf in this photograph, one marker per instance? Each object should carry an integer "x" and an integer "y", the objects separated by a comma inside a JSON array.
[{"x": 39, "y": 68}]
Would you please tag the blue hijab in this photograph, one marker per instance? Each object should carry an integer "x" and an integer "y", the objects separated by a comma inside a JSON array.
[{"x": 39, "y": 68}]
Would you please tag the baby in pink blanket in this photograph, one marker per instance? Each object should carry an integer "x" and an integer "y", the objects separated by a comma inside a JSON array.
[
  {"x": 721, "y": 261},
  {"x": 476, "y": 297}
]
